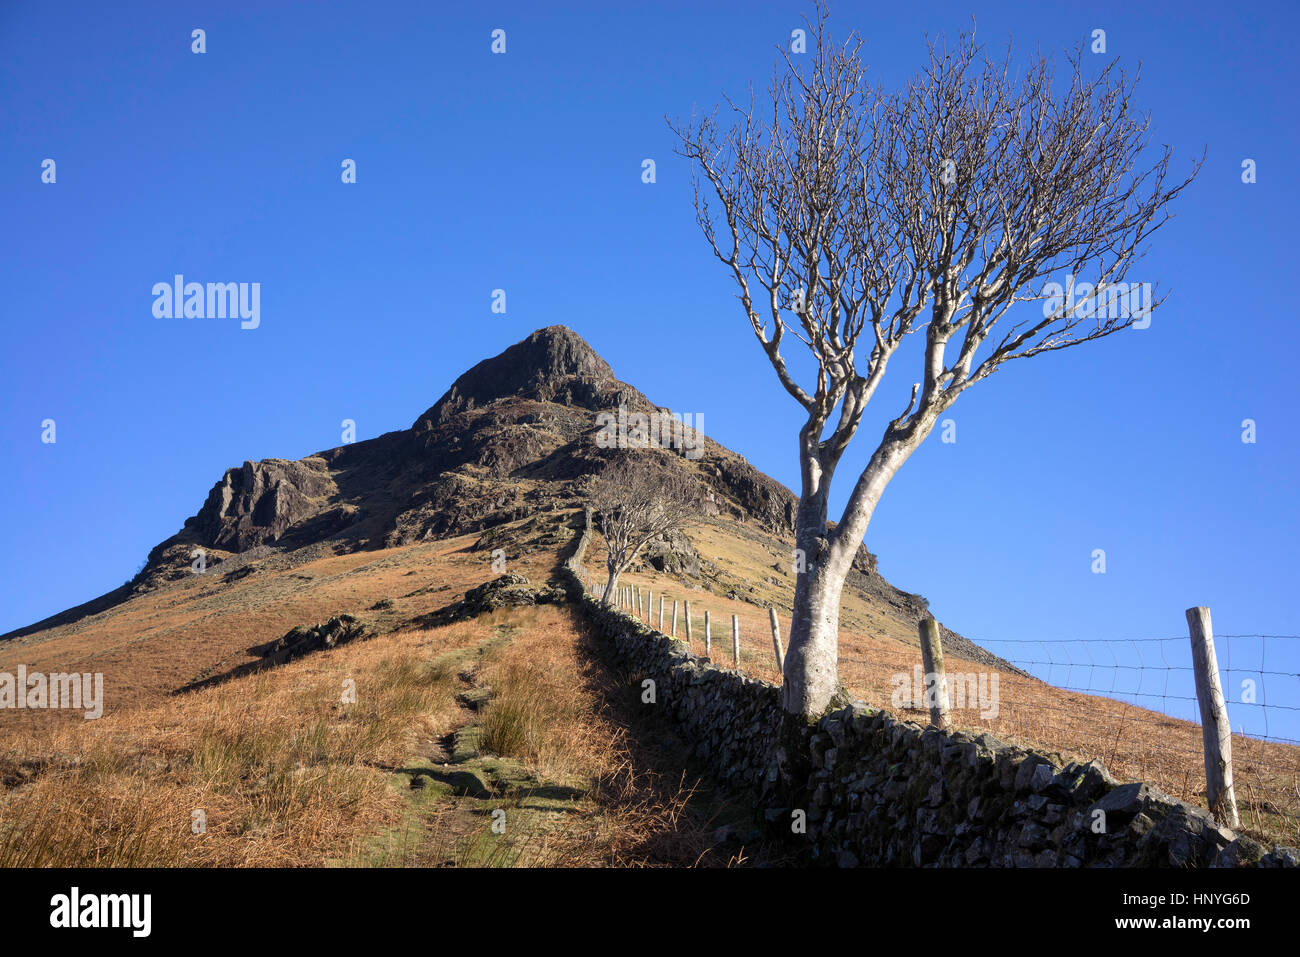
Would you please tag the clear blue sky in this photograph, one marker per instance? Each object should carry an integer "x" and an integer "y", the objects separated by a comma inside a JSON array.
[{"x": 523, "y": 171}]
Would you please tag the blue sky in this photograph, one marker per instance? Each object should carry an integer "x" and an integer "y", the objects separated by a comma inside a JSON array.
[{"x": 522, "y": 171}]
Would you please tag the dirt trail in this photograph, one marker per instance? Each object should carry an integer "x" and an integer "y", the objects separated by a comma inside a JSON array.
[{"x": 552, "y": 761}]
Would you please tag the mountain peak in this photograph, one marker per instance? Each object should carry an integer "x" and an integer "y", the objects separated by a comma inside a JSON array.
[
  {"x": 513, "y": 437},
  {"x": 553, "y": 364}
]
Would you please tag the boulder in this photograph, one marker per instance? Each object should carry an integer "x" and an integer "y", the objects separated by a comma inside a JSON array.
[{"x": 304, "y": 639}]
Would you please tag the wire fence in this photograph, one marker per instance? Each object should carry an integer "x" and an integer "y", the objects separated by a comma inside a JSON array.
[
  {"x": 1130, "y": 702},
  {"x": 1074, "y": 665},
  {"x": 1133, "y": 703}
]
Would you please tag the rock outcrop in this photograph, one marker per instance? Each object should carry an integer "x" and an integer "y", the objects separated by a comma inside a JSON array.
[
  {"x": 507, "y": 591},
  {"x": 514, "y": 436},
  {"x": 298, "y": 641},
  {"x": 260, "y": 501},
  {"x": 304, "y": 639},
  {"x": 553, "y": 365}
]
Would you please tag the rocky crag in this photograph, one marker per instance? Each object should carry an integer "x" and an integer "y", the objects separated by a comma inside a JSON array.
[{"x": 513, "y": 437}]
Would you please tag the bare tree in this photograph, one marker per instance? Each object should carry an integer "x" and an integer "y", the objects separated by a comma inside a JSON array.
[
  {"x": 637, "y": 498},
  {"x": 850, "y": 218}
]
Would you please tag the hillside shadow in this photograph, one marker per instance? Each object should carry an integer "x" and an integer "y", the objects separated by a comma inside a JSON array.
[{"x": 711, "y": 825}]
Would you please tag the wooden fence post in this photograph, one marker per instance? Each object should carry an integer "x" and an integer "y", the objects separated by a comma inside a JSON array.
[
  {"x": 674, "y": 617},
  {"x": 687, "y": 611},
  {"x": 776, "y": 642},
  {"x": 1216, "y": 732},
  {"x": 735, "y": 640},
  {"x": 661, "y": 613},
  {"x": 649, "y": 606},
  {"x": 708, "y": 635},
  {"x": 936, "y": 683}
]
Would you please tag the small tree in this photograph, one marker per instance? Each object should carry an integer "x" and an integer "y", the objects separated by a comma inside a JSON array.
[
  {"x": 850, "y": 218},
  {"x": 637, "y": 498}
]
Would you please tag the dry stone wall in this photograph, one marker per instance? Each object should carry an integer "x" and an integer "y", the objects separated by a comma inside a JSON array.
[{"x": 862, "y": 787}]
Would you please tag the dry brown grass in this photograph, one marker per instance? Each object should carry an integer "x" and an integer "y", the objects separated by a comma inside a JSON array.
[
  {"x": 556, "y": 708},
  {"x": 150, "y": 646},
  {"x": 289, "y": 775},
  {"x": 285, "y": 772}
]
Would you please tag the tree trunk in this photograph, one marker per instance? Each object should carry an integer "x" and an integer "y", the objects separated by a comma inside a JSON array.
[
  {"x": 811, "y": 677},
  {"x": 611, "y": 586}
]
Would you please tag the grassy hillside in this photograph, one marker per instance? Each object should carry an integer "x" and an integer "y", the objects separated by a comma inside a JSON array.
[{"x": 511, "y": 712}]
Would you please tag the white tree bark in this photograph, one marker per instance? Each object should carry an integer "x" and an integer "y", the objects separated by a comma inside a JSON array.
[
  {"x": 811, "y": 677},
  {"x": 851, "y": 218}
]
